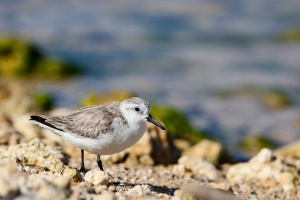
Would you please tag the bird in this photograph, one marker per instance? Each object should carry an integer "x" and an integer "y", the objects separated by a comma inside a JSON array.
[{"x": 101, "y": 129}]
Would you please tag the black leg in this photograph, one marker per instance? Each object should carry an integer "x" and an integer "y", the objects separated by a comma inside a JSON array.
[
  {"x": 82, "y": 169},
  {"x": 99, "y": 162}
]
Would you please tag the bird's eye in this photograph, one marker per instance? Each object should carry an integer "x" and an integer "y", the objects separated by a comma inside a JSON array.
[{"x": 136, "y": 109}]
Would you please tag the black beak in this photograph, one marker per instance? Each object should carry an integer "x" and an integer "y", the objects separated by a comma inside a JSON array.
[{"x": 154, "y": 121}]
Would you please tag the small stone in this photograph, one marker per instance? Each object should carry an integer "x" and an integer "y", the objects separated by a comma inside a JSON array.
[
  {"x": 97, "y": 177},
  {"x": 264, "y": 156},
  {"x": 72, "y": 174},
  {"x": 206, "y": 149},
  {"x": 182, "y": 195},
  {"x": 199, "y": 166},
  {"x": 179, "y": 169}
]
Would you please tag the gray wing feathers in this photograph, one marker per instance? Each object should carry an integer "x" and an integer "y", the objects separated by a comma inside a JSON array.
[{"x": 89, "y": 121}]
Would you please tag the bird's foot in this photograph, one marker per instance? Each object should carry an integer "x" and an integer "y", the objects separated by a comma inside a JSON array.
[{"x": 82, "y": 169}]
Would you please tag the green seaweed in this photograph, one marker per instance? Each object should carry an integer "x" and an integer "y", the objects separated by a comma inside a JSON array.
[
  {"x": 19, "y": 58},
  {"x": 176, "y": 123},
  {"x": 254, "y": 143},
  {"x": 43, "y": 100},
  {"x": 56, "y": 68}
]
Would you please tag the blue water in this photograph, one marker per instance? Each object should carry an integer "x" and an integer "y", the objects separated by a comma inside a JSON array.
[{"x": 174, "y": 52}]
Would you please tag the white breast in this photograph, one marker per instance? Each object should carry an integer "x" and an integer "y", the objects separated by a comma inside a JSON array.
[{"x": 120, "y": 139}]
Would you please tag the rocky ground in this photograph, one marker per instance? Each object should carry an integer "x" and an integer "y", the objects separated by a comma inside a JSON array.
[{"x": 37, "y": 164}]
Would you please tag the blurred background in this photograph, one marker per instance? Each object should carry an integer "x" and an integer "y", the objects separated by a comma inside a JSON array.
[{"x": 232, "y": 67}]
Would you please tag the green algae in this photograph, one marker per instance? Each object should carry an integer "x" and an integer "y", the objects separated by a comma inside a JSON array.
[
  {"x": 22, "y": 59},
  {"x": 254, "y": 143},
  {"x": 43, "y": 100},
  {"x": 176, "y": 122}
]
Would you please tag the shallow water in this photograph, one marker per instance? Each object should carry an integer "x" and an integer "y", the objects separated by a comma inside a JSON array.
[{"x": 174, "y": 52}]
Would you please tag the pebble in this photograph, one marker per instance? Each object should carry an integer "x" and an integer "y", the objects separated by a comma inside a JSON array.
[
  {"x": 97, "y": 177},
  {"x": 72, "y": 174},
  {"x": 197, "y": 166},
  {"x": 207, "y": 149},
  {"x": 182, "y": 195}
]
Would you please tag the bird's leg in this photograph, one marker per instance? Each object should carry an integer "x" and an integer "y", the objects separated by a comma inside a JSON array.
[
  {"x": 99, "y": 162},
  {"x": 82, "y": 169}
]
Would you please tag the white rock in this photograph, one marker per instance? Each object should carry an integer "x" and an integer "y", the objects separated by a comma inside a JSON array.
[
  {"x": 199, "y": 166},
  {"x": 97, "y": 177},
  {"x": 206, "y": 149},
  {"x": 72, "y": 174},
  {"x": 264, "y": 156},
  {"x": 179, "y": 169}
]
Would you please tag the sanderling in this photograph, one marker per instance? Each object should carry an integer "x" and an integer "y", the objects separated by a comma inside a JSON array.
[{"x": 103, "y": 129}]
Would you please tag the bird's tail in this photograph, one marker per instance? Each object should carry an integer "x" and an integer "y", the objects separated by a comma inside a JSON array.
[
  {"x": 41, "y": 121},
  {"x": 38, "y": 119}
]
